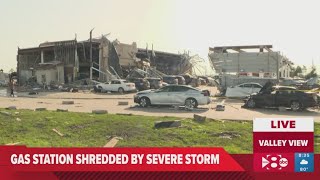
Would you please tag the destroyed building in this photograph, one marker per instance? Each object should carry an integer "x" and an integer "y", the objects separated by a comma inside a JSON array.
[
  {"x": 99, "y": 59},
  {"x": 257, "y": 63}
]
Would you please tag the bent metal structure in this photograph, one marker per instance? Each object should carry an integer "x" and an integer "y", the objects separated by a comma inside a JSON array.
[{"x": 241, "y": 64}]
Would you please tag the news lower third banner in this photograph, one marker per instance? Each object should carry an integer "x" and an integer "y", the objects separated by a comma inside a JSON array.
[
  {"x": 283, "y": 147},
  {"x": 19, "y": 158}
]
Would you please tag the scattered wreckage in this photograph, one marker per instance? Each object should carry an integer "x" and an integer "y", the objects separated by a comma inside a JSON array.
[
  {"x": 282, "y": 96},
  {"x": 176, "y": 95}
]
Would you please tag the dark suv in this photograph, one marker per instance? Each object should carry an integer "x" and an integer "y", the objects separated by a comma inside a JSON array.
[
  {"x": 276, "y": 96},
  {"x": 140, "y": 83},
  {"x": 170, "y": 79},
  {"x": 181, "y": 80},
  {"x": 155, "y": 83}
]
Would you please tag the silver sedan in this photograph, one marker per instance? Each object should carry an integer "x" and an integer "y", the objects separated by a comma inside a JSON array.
[{"x": 178, "y": 95}]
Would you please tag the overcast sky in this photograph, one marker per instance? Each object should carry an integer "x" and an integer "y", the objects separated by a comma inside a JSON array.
[{"x": 171, "y": 25}]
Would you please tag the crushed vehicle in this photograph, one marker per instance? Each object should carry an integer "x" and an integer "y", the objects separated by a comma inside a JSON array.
[
  {"x": 118, "y": 85},
  {"x": 181, "y": 80},
  {"x": 301, "y": 83},
  {"x": 177, "y": 95},
  {"x": 282, "y": 96},
  {"x": 170, "y": 79},
  {"x": 243, "y": 90},
  {"x": 140, "y": 83},
  {"x": 155, "y": 83}
]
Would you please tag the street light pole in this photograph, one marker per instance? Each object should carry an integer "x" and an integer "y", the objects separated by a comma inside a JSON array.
[{"x": 91, "y": 62}]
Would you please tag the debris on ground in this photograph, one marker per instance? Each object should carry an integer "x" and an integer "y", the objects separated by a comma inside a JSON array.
[
  {"x": 68, "y": 102},
  {"x": 226, "y": 135},
  {"x": 33, "y": 93},
  {"x": 11, "y": 108},
  {"x": 5, "y": 113},
  {"x": 99, "y": 111},
  {"x": 62, "y": 110},
  {"x": 167, "y": 124},
  {"x": 220, "y": 107},
  {"x": 56, "y": 131},
  {"x": 18, "y": 119},
  {"x": 124, "y": 114},
  {"x": 113, "y": 142},
  {"x": 40, "y": 109},
  {"x": 13, "y": 144},
  {"x": 123, "y": 103},
  {"x": 16, "y": 113},
  {"x": 199, "y": 118}
]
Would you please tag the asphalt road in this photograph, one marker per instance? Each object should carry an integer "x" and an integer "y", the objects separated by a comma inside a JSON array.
[{"x": 86, "y": 102}]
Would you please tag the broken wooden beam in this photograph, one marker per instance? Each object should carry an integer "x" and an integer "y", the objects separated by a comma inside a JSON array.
[
  {"x": 13, "y": 144},
  {"x": 113, "y": 142},
  {"x": 56, "y": 131}
]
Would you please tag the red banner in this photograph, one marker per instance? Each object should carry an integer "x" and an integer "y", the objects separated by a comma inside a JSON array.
[{"x": 19, "y": 158}]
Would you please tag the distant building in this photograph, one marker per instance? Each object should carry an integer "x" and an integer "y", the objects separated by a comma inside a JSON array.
[
  {"x": 256, "y": 62},
  {"x": 235, "y": 60}
]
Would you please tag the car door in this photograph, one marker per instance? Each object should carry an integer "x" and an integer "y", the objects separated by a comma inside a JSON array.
[
  {"x": 282, "y": 97},
  {"x": 114, "y": 86},
  {"x": 244, "y": 90},
  {"x": 161, "y": 96},
  {"x": 178, "y": 95}
]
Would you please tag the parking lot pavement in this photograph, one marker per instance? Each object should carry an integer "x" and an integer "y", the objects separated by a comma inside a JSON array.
[{"x": 233, "y": 110}]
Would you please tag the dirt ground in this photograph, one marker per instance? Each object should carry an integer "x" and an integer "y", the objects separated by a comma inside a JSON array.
[{"x": 86, "y": 102}]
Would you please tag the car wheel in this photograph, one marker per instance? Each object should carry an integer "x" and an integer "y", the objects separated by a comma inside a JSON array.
[
  {"x": 121, "y": 90},
  {"x": 144, "y": 102},
  {"x": 98, "y": 89},
  {"x": 191, "y": 103},
  {"x": 251, "y": 103},
  {"x": 295, "y": 106}
]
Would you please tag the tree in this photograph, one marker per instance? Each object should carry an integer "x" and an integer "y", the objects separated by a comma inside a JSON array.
[{"x": 297, "y": 71}]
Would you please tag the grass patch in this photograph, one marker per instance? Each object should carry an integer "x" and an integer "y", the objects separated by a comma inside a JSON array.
[{"x": 91, "y": 130}]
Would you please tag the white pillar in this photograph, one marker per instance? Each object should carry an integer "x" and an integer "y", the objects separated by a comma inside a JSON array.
[{"x": 42, "y": 57}]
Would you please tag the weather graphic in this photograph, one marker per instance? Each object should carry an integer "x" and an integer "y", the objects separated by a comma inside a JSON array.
[{"x": 303, "y": 162}]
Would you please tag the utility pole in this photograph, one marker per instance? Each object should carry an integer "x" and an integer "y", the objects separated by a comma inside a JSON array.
[{"x": 91, "y": 62}]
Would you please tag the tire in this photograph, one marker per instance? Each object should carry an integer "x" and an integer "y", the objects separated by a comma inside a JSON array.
[
  {"x": 121, "y": 90},
  {"x": 295, "y": 106},
  {"x": 251, "y": 103},
  {"x": 190, "y": 103},
  {"x": 98, "y": 89},
  {"x": 144, "y": 102}
]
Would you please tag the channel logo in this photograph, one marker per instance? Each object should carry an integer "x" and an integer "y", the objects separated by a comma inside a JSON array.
[
  {"x": 275, "y": 162},
  {"x": 269, "y": 162}
]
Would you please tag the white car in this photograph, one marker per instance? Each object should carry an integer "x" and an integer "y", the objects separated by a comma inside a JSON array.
[
  {"x": 243, "y": 90},
  {"x": 118, "y": 85},
  {"x": 177, "y": 95}
]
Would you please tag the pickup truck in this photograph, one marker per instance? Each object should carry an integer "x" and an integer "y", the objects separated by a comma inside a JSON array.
[{"x": 118, "y": 85}]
